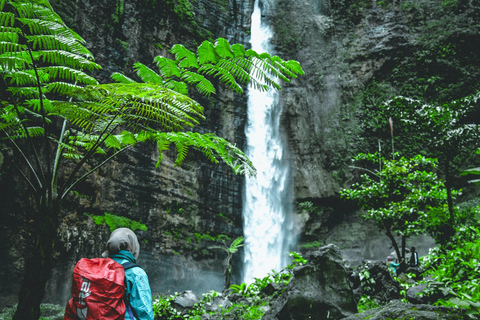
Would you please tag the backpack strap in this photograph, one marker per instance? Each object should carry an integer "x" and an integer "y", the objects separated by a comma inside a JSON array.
[{"x": 128, "y": 265}]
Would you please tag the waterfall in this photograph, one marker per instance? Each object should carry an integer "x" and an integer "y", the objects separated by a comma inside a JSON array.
[{"x": 267, "y": 197}]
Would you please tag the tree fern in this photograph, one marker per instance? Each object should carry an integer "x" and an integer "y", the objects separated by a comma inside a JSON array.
[{"x": 49, "y": 100}]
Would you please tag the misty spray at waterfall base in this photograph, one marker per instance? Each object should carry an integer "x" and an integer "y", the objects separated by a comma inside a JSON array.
[{"x": 267, "y": 204}]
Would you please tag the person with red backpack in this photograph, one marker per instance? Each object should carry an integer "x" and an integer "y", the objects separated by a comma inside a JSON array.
[{"x": 113, "y": 287}]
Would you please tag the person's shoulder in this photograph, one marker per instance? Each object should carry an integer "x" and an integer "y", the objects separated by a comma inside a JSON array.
[{"x": 138, "y": 271}]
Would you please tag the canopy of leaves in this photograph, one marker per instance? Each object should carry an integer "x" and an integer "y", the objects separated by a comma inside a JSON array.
[{"x": 405, "y": 195}]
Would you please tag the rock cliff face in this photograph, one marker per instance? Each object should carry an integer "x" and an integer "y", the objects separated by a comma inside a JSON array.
[{"x": 344, "y": 47}]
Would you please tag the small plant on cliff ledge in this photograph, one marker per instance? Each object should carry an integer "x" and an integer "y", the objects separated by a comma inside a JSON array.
[
  {"x": 62, "y": 125},
  {"x": 114, "y": 222}
]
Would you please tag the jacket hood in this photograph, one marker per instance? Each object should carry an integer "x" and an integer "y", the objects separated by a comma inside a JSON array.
[{"x": 122, "y": 239}]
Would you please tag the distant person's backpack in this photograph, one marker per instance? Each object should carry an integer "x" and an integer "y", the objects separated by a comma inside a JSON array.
[{"x": 98, "y": 290}]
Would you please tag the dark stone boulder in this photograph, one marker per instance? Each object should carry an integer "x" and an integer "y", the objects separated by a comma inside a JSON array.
[
  {"x": 320, "y": 289},
  {"x": 185, "y": 301},
  {"x": 401, "y": 310},
  {"x": 413, "y": 294},
  {"x": 380, "y": 285}
]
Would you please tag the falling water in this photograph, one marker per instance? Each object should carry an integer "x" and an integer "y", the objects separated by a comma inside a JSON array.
[{"x": 267, "y": 199}]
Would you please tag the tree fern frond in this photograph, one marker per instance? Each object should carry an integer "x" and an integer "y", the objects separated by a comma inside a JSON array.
[
  {"x": 22, "y": 78},
  {"x": 112, "y": 142},
  {"x": 25, "y": 92},
  {"x": 185, "y": 57},
  {"x": 9, "y": 34},
  {"x": 7, "y": 19},
  {"x": 206, "y": 53},
  {"x": 11, "y": 47},
  {"x": 147, "y": 74},
  {"x": 223, "y": 49},
  {"x": 238, "y": 50},
  {"x": 203, "y": 85},
  {"x": 177, "y": 86},
  {"x": 236, "y": 70},
  {"x": 121, "y": 78},
  {"x": 223, "y": 74},
  {"x": 182, "y": 151},
  {"x": 54, "y": 42},
  {"x": 61, "y": 88},
  {"x": 36, "y": 105},
  {"x": 60, "y": 57},
  {"x": 9, "y": 63},
  {"x": 211, "y": 146},
  {"x": 69, "y": 74},
  {"x": 162, "y": 145},
  {"x": 167, "y": 67},
  {"x": 39, "y": 26}
]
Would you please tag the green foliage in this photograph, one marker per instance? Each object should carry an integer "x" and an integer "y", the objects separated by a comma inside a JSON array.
[
  {"x": 404, "y": 196},
  {"x": 311, "y": 245},
  {"x": 366, "y": 303},
  {"x": 251, "y": 308},
  {"x": 115, "y": 222},
  {"x": 367, "y": 282},
  {"x": 205, "y": 236},
  {"x": 297, "y": 260},
  {"x": 455, "y": 270},
  {"x": 63, "y": 125},
  {"x": 309, "y": 207}
]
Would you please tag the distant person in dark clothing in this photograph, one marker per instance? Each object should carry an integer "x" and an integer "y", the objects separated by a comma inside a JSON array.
[
  {"x": 413, "y": 259},
  {"x": 414, "y": 263}
]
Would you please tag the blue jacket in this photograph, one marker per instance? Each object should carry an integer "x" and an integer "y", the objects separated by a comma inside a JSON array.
[
  {"x": 393, "y": 266},
  {"x": 137, "y": 288}
]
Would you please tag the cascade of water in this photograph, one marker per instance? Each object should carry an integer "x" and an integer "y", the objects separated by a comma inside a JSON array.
[{"x": 267, "y": 197}]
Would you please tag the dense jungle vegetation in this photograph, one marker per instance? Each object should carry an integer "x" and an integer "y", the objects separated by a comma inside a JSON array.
[{"x": 410, "y": 186}]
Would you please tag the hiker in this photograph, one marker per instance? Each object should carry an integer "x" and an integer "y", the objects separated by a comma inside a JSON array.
[
  {"x": 392, "y": 265},
  {"x": 414, "y": 263},
  {"x": 413, "y": 259},
  {"x": 123, "y": 247},
  {"x": 100, "y": 286}
]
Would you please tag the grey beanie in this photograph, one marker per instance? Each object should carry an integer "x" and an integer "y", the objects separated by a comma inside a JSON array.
[{"x": 122, "y": 239}]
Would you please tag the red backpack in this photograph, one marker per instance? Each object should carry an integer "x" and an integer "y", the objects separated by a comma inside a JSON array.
[{"x": 98, "y": 290}]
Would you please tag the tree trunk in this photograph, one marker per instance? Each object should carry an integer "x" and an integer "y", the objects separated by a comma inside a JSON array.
[
  {"x": 38, "y": 264},
  {"x": 392, "y": 239},
  {"x": 448, "y": 230},
  {"x": 404, "y": 240}
]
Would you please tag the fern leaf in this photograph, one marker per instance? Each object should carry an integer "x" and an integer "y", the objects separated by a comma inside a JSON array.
[
  {"x": 206, "y": 53},
  {"x": 11, "y": 47},
  {"x": 204, "y": 86},
  {"x": 223, "y": 49},
  {"x": 238, "y": 50},
  {"x": 147, "y": 74},
  {"x": 7, "y": 19},
  {"x": 167, "y": 67},
  {"x": 222, "y": 74},
  {"x": 182, "y": 150},
  {"x": 180, "y": 87},
  {"x": 60, "y": 57},
  {"x": 10, "y": 63},
  {"x": 22, "y": 78},
  {"x": 185, "y": 58},
  {"x": 121, "y": 78},
  {"x": 54, "y": 42},
  {"x": 61, "y": 88},
  {"x": 8, "y": 34},
  {"x": 69, "y": 74}
]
